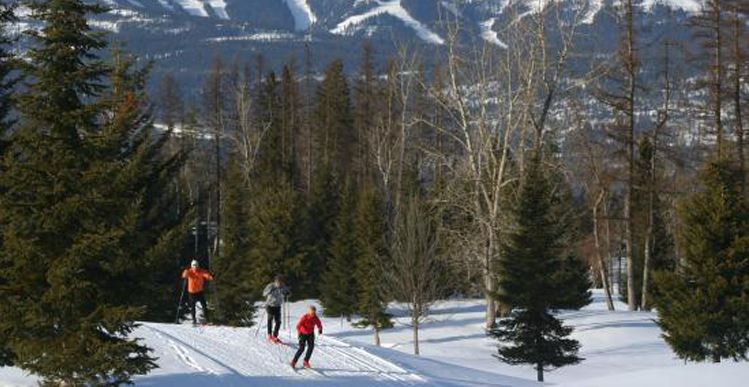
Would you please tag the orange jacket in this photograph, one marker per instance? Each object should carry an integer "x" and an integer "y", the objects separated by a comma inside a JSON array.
[
  {"x": 307, "y": 324},
  {"x": 195, "y": 279}
]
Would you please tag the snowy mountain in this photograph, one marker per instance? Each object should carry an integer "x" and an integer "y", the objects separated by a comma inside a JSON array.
[
  {"x": 621, "y": 349},
  {"x": 183, "y": 36}
]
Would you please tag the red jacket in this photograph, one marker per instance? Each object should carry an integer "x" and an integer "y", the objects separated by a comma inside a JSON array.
[{"x": 307, "y": 324}]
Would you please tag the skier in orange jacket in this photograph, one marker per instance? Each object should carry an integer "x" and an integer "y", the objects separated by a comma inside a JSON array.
[
  {"x": 196, "y": 277},
  {"x": 305, "y": 328}
]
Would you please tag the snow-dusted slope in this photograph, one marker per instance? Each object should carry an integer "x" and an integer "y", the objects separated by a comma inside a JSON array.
[
  {"x": 219, "y": 8},
  {"x": 691, "y": 6},
  {"x": 488, "y": 33},
  {"x": 193, "y": 7},
  {"x": 303, "y": 15},
  {"x": 393, "y": 8}
]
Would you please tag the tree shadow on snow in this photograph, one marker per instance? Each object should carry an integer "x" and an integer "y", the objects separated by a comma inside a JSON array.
[{"x": 615, "y": 324}]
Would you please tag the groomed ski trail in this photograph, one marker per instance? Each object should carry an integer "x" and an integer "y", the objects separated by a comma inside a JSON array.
[{"x": 215, "y": 355}]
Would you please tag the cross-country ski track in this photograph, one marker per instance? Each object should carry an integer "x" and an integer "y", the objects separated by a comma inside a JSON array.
[
  {"x": 224, "y": 356},
  {"x": 234, "y": 356}
]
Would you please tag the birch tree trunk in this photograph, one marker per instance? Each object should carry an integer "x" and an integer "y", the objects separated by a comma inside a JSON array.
[
  {"x": 603, "y": 272},
  {"x": 415, "y": 322}
]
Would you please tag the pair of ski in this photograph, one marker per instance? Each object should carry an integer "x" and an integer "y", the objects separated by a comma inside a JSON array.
[{"x": 307, "y": 370}]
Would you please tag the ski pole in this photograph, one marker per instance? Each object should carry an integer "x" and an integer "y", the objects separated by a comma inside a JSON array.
[
  {"x": 257, "y": 330},
  {"x": 288, "y": 315},
  {"x": 181, "y": 296},
  {"x": 283, "y": 314}
]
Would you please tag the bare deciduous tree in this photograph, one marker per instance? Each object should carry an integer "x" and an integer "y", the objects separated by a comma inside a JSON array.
[
  {"x": 415, "y": 270},
  {"x": 495, "y": 103}
]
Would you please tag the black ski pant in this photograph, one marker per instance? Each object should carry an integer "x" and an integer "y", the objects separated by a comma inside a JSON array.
[
  {"x": 194, "y": 299},
  {"x": 307, "y": 341},
  {"x": 274, "y": 314}
]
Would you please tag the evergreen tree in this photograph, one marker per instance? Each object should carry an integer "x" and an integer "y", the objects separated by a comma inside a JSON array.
[
  {"x": 371, "y": 263},
  {"x": 365, "y": 111},
  {"x": 6, "y": 86},
  {"x": 290, "y": 122},
  {"x": 573, "y": 274},
  {"x": 318, "y": 229},
  {"x": 528, "y": 280},
  {"x": 573, "y": 278},
  {"x": 338, "y": 286},
  {"x": 7, "y": 17},
  {"x": 273, "y": 235},
  {"x": 235, "y": 296},
  {"x": 703, "y": 307},
  {"x": 81, "y": 185},
  {"x": 150, "y": 179},
  {"x": 335, "y": 137},
  {"x": 272, "y": 165},
  {"x": 276, "y": 226}
]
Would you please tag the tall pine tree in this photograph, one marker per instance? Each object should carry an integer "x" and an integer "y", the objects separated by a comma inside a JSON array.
[
  {"x": 161, "y": 216},
  {"x": 335, "y": 137},
  {"x": 528, "y": 270},
  {"x": 66, "y": 218},
  {"x": 273, "y": 235},
  {"x": 338, "y": 285},
  {"x": 318, "y": 229},
  {"x": 371, "y": 263},
  {"x": 703, "y": 306},
  {"x": 272, "y": 165},
  {"x": 6, "y": 87},
  {"x": 7, "y": 82},
  {"x": 81, "y": 183},
  {"x": 365, "y": 112},
  {"x": 290, "y": 122},
  {"x": 235, "y": 295}
]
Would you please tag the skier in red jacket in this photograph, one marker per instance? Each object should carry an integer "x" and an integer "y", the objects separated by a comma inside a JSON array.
[{"x": 305, "y": 328}]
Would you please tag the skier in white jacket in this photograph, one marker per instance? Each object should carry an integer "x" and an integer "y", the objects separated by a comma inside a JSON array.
[{"x": 274, "y": 294}]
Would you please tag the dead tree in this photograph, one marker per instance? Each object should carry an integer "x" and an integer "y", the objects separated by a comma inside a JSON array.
[
  {"x": 215, "y": 110},
  {"x": 619, "y": 92},
  {"x": 652, "y": 184}
]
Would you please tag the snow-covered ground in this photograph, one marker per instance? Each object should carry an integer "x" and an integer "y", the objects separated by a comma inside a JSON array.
[{"x": 621, "y": 349}]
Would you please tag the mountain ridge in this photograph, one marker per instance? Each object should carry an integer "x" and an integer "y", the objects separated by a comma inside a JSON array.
[{"x": 183, "y": 36}]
